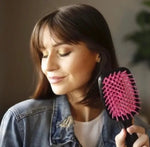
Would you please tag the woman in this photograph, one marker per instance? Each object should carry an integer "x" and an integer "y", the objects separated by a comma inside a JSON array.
[{"x": 71, "y": 47}]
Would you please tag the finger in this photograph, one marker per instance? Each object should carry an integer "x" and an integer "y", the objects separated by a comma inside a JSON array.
[
  {"x": 120, "y": 138},
  {"x": 136, "y": 129},
  {"x": 143, "y": 140}
]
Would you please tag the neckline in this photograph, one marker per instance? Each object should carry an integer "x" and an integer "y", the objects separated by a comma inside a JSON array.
[{"x": 89, "y": 122}]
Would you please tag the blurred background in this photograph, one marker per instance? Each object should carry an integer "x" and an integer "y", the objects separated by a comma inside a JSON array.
[{"x": 129, "y": 22}]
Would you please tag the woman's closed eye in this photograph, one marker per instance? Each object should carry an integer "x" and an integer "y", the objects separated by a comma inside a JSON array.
[
  {"x": 63, "y": 54},
  {"x": 60, "y": 53},
  {"x": 45, "y": 56},
  {"x": 44, "y": 53}
]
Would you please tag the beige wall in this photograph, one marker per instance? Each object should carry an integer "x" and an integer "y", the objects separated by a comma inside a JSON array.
[{"x": 17, "y": 19}]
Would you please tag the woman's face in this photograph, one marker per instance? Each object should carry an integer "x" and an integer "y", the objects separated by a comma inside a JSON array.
[{"x": 68, "y": 67}]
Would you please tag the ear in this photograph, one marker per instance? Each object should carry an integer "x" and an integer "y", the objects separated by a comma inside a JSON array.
[{"x": 98, "y": 59}]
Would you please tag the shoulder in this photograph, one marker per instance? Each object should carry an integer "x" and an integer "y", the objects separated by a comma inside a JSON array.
[
  {"x": 26, "y": 118},
  {"x": 29, "y": 107}
]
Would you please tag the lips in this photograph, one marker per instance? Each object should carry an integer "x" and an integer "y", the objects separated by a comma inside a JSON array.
[{"x": 55, "y": 80}]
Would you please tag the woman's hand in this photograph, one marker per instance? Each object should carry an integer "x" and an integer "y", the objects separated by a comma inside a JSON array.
[{"x": 142, "y": 141}]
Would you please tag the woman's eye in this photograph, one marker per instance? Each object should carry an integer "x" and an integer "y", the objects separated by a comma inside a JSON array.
[
  {"x": 64, "y": 54},
  {"x": 44, "y": 56}
]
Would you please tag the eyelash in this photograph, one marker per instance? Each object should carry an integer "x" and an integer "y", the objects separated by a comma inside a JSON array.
[
  {"x": 61, "y": 55},
  {"x": 65, "y": 54},
  {"x": 44, "y": 56}
]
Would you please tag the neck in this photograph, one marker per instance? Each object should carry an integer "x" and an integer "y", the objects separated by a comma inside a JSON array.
[
  {"x": 84, "y": 113},
  {"x": 81, "y": 112}
]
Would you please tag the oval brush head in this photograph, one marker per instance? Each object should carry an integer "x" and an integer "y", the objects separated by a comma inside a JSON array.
[
  {"x": 121, "y": 98},
  {"x": 120, "y": 94}
]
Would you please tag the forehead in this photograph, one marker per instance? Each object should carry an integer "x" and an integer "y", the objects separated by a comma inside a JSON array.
[{"x": 47, "y": 39}]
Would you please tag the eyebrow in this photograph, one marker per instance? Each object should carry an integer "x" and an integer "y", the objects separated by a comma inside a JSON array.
[
  {"x": 55, "y": 45},
  {"x": 59, "y": 44}
]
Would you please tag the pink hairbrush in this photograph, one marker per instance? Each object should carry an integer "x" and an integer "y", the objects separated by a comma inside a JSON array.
[{"x": 121, "y": 98}]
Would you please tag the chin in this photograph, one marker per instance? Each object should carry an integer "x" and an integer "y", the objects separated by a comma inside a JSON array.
[{"x": 59, "y": 92}]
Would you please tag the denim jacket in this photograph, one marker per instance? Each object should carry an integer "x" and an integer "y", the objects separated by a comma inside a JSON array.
[{"x": 48, "y": 123}]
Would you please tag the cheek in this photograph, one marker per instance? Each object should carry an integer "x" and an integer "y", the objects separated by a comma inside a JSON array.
[{"x": 81, "y": 68}]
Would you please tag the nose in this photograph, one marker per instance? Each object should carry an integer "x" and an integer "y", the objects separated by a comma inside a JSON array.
[{"x": 50, "y": 63}]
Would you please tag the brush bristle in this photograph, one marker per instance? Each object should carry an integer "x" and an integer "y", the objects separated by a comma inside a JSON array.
[{"x": 120, "y": 94}]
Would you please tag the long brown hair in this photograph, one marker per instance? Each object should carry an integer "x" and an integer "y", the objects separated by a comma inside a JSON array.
[{"x": 74, "y": 24}]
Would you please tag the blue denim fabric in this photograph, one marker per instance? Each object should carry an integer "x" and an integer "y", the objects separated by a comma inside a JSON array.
[{"x": 48, "y": 123}]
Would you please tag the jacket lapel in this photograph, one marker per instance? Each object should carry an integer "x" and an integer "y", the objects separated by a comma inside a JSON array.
[{"x": 62, "y": 123}]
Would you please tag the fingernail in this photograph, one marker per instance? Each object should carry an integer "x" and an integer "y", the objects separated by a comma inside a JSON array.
[
  {"x": 122, "y": 131},
  {"x": 129, "y": 131}
]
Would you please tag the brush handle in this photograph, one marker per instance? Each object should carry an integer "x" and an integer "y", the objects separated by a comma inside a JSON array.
[{"x": 130, "y": 139}]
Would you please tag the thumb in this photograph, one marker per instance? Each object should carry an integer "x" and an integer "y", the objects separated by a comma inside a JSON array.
[{"x": 120, "y": 138}]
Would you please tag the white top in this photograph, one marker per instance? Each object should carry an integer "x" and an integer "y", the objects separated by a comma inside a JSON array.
[{"x": 88, "y": 132}]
